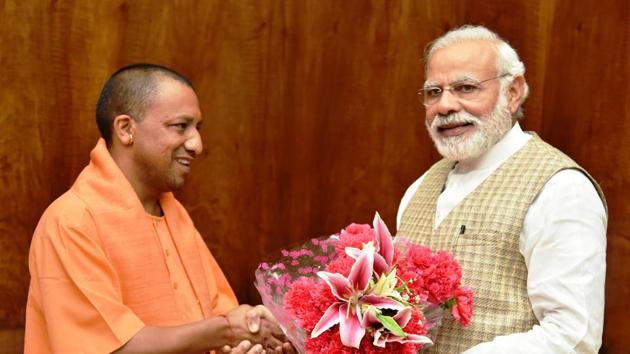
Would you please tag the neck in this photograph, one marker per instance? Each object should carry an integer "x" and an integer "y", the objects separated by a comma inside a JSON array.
[
  {"x": 467, "y": 165},
  {"x": 148, "y": 198},
  {"x": 153, "y": 208}
]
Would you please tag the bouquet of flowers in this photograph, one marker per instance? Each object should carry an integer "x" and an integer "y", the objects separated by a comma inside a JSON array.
[{"x": 360, "y": 291}]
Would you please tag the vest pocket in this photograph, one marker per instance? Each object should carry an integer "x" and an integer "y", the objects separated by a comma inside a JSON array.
[{"x": 498, "y": 240}]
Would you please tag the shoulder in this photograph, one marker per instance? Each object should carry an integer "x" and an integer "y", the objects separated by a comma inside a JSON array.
[
  {"x": 68, "y": 212},
  {"x": 571, "y": 183},
  {"x": 570, "y": 178},
  {"x": 566, "y": 175},
  {"x": 552, "y": 155},
  {"x": 570, "y": 195}
]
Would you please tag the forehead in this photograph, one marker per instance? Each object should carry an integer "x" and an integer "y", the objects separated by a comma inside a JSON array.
[
  {"x": 477, "y": 59},
  {"x": 173, "y": 98}
]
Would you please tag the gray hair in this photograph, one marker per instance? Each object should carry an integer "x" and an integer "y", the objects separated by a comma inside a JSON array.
[{"x": 508, "y": 61}]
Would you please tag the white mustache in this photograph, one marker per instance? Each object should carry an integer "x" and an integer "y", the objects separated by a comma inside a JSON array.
[{"x": 455, "y": 118}]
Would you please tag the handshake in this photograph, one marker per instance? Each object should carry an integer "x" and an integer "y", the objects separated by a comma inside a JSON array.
[{"x": 254, "y": 330}]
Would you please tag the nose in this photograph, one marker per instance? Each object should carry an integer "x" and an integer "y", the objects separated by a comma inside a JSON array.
[
  {"x": 193, "y": 143},
  {"x": 446, "y": 104}
]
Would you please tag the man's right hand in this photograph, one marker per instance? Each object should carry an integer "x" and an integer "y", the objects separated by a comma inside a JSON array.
[
  {"x": 244, "y": 347},
  {"x": 262, "y": 329},
  {"x": 255, "y": 325}
]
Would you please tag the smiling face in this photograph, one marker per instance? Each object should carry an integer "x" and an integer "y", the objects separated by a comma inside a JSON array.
[
  {"x": 166, "y": 138},
  {"x": 462, "y": 129}
]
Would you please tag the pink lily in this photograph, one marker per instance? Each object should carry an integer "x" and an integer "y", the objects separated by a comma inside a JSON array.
[
  {"x": 402, "y": 318},
  {"x": 383, "y": 261},
  {"x": 384, "y": 258},
  {"x": 351, "y": 293}
]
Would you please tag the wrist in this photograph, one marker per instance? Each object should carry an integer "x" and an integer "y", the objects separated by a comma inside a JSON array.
[
  {"x": 228, "y": 331},
  {"x": 218, "y": 333}
]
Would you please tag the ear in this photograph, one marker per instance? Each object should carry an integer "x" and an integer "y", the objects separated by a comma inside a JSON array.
[
  {"x": 515, "y": 93},
  {"x": 122, "y": 129}
]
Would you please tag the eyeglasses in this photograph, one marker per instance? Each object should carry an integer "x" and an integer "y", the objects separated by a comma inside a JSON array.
[{"x": 466, "y": 90}]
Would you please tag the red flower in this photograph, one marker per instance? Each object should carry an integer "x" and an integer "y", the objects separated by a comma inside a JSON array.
[
  {"x": 415, "y": 283},
  {"x": 354, "y": 235},
  {"x": 342, "y": 265},
  {"x": 328, "y": 342},
  {"x": 443, "y": 278},
  {"x": 307, "y": 301},
  {"x": 434, "y": 276},
  {"x": 462, "y": 311},
  {"x": 422, "y": 276}
]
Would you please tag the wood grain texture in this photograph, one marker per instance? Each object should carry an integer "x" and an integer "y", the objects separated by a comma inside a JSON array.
[
  {"x": 586, "y": 109},
  {"x": 312, "y": 121}
]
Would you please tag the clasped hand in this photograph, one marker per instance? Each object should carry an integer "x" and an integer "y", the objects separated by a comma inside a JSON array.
[{"x": 255, "y": 330}]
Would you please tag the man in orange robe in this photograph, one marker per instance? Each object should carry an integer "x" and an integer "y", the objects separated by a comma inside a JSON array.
[{"x": 116, "y": 263}]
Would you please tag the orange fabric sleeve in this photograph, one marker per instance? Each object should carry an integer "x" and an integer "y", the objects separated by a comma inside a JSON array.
[{"x": 75, "y": 288}]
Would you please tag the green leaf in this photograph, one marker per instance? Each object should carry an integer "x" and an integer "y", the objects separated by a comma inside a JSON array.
[
  {"x": 390, "y": 324},
  {"x": 450, "y": 303}
]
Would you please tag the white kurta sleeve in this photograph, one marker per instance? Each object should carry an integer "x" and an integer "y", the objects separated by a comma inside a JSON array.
[{"x": 564, "y": 245}]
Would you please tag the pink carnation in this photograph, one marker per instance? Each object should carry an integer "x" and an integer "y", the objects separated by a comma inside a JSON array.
[
  {"x": 415, "y": 283},
  {"x": 463, "y": 309},
  {"x": 354, "y": 235},
  {"x": 423, "y": 276},
  {"x": 417, "y": 258},
  {"x": 438, "y": 275},
  {"x": 307, "y": 300},
  {"x": 328, "y": 342},
  {"x": 341, "y": 265},
  {"x": 443, "y": 279}
]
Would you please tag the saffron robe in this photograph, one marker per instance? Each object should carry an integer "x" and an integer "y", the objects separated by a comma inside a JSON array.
[{"x": 102, "y": 268}]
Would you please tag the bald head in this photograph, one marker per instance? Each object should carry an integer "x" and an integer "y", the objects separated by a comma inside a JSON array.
[{"x": 129, "y": 91}]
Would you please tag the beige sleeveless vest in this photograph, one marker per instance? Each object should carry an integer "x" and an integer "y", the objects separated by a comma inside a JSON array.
[{"x": 482, "y": 232}]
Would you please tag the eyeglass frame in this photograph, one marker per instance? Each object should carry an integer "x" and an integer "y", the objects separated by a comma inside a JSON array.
[{"x": 450, "y": 88}]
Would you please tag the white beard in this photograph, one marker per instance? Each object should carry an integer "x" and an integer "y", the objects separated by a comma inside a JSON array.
[{"x": 489, "y": 129}]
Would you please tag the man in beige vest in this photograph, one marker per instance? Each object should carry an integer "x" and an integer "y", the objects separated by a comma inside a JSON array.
[{"x": 527, "y": 224}]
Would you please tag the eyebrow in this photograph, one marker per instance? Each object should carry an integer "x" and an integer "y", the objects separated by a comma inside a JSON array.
[
  {"x": 461, "y": 79},
  {"x": 429, "y": 84},
  {"x": 465, "y": 78},
  {"x": 185, "y": 117}
]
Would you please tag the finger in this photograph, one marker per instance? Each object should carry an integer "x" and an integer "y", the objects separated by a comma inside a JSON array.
[
  {"x": 226, "y": 349},
  {"x": 256, "y": 314},
  {"x": 288, "y": 348},
  {"x": 241, "y": 348},
  {"x": 272, "y": 343},
  {"x": 272, "y": 328},
  {"x": 257, "y": 349},
  {"x": 265, "y": 312},
  {"x": 253, "y": 320},
  {"x": 277, "y": 332}
]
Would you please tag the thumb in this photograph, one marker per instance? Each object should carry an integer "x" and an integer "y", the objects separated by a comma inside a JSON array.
[{"x": 253, "y": 321}]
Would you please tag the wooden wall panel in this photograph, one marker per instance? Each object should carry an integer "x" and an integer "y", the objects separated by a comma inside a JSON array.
[
  {"x": 586, "y": 109},
  {"x": 312, "y": 120}
]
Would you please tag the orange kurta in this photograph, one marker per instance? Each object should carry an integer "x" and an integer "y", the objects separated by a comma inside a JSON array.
[{"x": 102, "y": 268}]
